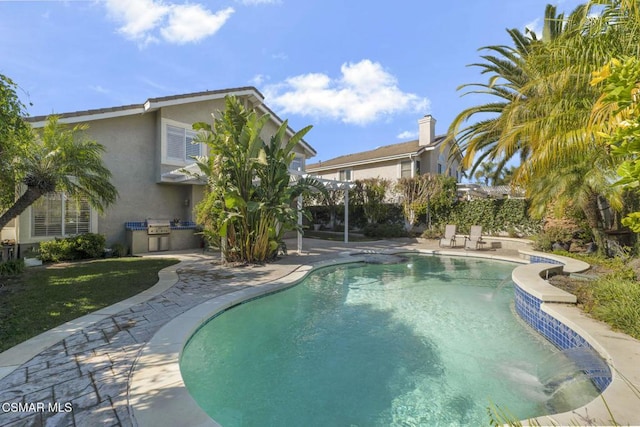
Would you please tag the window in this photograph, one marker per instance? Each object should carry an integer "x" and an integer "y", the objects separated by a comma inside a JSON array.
[
  {"x": 180, "y": 146},
  {"x": 344, "y": 175},
  {"x": 297, "y": 164},
  {"x": 57, "y": 215},
  {"x": 417, "y": 167},
  {"x": 439, "y": 168},
  {"x": 405, "y": 169}
]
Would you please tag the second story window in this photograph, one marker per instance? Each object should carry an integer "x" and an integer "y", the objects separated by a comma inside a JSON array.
[
  {"x": 344, "y": 175},
  {"x": 180, "y": 147},
  {"x": 297, "y": 164}
]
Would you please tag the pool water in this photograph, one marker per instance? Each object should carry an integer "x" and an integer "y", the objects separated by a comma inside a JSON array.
[{"x": 428, "y": 341}]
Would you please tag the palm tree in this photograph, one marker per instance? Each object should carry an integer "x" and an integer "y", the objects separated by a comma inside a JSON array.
[
  {"x": 59, "y": 159},
  {"x": 486, "y": 173},
  {"x": 546, "y": 100},
  {"x": 491, "y": 138},
  {"x": 582, "y": 185}
]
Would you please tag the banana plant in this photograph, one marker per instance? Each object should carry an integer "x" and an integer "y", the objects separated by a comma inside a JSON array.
[{"x": 249, "y": 200}]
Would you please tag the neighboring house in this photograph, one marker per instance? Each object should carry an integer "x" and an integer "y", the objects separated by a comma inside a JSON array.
[
  {"x": 405, "y": 159},
  {"x": 479, "y": 191},
  {"x": 146, "y": 146}
]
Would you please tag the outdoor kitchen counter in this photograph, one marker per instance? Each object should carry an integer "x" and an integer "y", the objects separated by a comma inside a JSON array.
[{"x": 181, "y": 236}]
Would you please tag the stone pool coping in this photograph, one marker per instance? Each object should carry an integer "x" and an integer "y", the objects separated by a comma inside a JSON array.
[{"x": 158, "y": 395}]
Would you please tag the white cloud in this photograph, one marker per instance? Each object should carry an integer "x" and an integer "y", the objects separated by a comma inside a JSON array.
[
  {"x": 99, "y": 89},
  {"x": 138, "y": 17},
  {"x": 258, "y": 79},
  {"x": 407, "y": 135},
  {"x": 254, "y": 2},
  {"x": 191, "y": 22},
  {"x": 141, "y": 19},
  {"x": 363, "y": 93}
]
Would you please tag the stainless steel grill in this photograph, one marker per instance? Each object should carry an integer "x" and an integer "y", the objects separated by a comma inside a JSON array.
[
  {"x": 158, "y": 226},
  {"x": 158, "y": 231}
]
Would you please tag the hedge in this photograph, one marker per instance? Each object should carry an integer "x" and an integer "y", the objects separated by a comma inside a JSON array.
[
  {"x": 83, "y": 246},
  {"x": 495, "y": 216}
]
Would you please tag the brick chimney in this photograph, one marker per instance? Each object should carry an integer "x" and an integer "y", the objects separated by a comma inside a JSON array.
[{"x": 427, "y": 130}]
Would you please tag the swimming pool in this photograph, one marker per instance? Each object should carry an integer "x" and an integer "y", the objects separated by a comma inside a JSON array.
[{"x": 430, "y": 340}]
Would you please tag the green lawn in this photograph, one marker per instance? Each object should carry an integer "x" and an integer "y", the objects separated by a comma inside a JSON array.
[{"x": 44, "y": 297}]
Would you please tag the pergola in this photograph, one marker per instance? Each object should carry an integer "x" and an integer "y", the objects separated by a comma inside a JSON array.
[{"x": 329, "y": 184}]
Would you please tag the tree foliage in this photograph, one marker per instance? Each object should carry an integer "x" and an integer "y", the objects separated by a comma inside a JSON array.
[
  {"x": 14, "y": 134},
  {"x": 543, "y": 104},
  {"x": 59, "y": 158},
  {"x": 374, "y": 193},
  {"x": 415, "y": 194},
  {"x": 617, "y": 114}
]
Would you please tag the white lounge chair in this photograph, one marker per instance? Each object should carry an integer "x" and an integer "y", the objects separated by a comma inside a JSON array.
[
  {"x": 474, "y": 240},
  {"x": 449, "y": 238}
]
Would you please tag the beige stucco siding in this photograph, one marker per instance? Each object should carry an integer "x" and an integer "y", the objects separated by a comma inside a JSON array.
[
  {"x": 135, "y": 153},
  {"x": 131, "y": 145}
]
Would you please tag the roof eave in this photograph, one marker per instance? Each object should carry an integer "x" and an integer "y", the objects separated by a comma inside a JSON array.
[
  {"x": 151, "y": 104},
  {"x": 368, "y": 161}
]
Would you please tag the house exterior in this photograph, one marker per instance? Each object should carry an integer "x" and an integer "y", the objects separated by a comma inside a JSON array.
[
  {"x": 406, "y": 159},
  {"x": 469, "y": 191},
  {"x": 146, "y": 146}
]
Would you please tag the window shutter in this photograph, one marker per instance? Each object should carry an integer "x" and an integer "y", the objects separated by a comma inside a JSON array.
[
  {"x": 46, "y": 215},
  {"x": 175, "y": 143},
  {"x": 77, "y": 217},
  {"x": 191, "y": 149}
]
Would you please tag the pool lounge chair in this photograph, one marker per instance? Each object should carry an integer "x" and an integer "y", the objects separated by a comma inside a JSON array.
[
  {"x": 449, "y": 238},
  {"x": 474, "y": 240}
]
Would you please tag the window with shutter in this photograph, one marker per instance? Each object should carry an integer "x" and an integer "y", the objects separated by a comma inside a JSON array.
[
  {"x": 192, "y": 150},
  {"x": 46, "y": 216},
  {"x": 77, "y": 216},
  {"x": 179, "y": 145},
  {"x": 175, "y": 143},
  {"x": 56, "y": 215}
]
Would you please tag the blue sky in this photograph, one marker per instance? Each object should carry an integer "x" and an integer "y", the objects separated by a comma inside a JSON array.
[{"x": 361, "y": 72}]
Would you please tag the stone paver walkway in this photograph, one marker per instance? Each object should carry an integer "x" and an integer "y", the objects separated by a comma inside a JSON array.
[{"x": 83, "y": 379}]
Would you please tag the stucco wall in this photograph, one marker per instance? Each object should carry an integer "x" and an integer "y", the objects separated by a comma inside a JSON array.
[
  {"x": 133, "y": 153},
  {"x": 388, "y": 170},
  {"x": 131, "y": 144}
]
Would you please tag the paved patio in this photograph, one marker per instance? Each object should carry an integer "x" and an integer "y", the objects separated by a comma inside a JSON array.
[
  {"x": 88, "y": 372},
  {"x": 90, "y": 368}
]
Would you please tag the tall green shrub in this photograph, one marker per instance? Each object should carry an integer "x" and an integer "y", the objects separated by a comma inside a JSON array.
[
  {"x": 374, "y": 192},
  {"x": 249, "y": 201}
]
